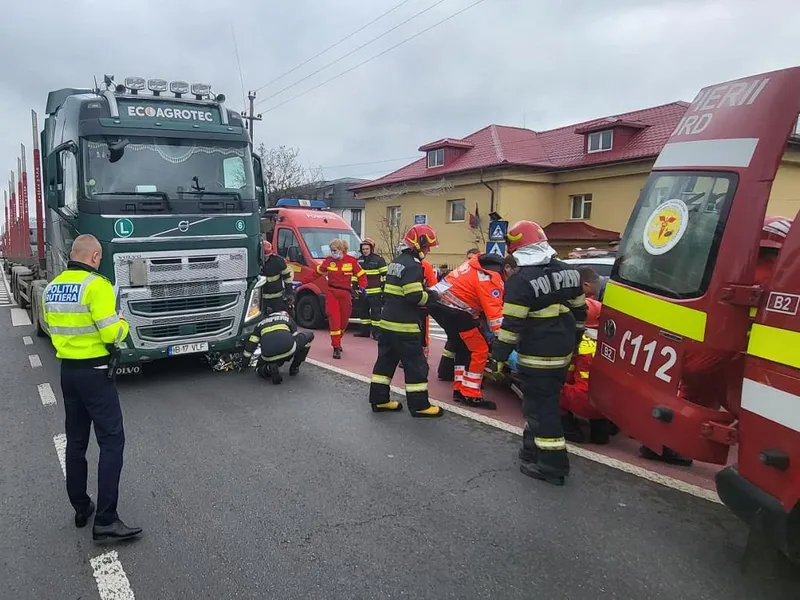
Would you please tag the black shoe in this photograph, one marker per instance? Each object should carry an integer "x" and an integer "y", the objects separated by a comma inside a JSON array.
[
  {"x": 117, "y": 531},
  {"x": 599, "y": 431},
  {"x": 537, "y": 471},
  {"x": 669, "y": 456},
  {"x": 480, "y": 403},
  {"x": 572, "y": 429},
  {"x": 337, "y": 353},
  {"x": 458, "y": 397},
  {"x": 294, "y": 370},
  {"x": 82, "y": 517},
  {"x": 275, "y": 375}
]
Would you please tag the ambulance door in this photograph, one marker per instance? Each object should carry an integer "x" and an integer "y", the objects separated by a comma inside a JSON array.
[{"x": 682, "y": 284}]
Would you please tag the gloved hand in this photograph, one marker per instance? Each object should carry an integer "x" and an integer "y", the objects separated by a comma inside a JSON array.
[
  {"x": 497, "y": 367},
  {"x": 433, "y": 296},
  {"x": 363, "y": 291}
]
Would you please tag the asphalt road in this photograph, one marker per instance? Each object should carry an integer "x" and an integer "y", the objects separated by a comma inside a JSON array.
[{"x": 246, "y": 490}]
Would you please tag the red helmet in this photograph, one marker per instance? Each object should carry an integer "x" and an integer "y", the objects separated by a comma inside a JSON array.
[
  {"x": 267, "y": 247},
  {"x": 774, "y": 232},
  {"x": 524, "y": 233},
  {"x": 593, "y": 317},
  {"x": 421, "y": 238}
]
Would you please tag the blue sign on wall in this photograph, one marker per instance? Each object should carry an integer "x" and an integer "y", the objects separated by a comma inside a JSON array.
[
  {"x": 420, "y": 219},
  {"x": 497, "y": 231},
  {"x": 498, "y": 248}
]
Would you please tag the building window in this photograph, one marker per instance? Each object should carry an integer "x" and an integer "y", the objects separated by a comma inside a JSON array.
[
  {"x": 581, "y": 206},
  {"x": 435, "y": 158},
  {"x": 355, "y": 220},
  {"x": 456, "y": 211},
  {"x": 393, "y": 216},
  {"x": 600, "y": 141}
]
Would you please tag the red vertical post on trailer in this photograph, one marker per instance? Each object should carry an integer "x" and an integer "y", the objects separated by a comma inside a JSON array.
[
  {"x": 26, "y": 217},
  {"x": 21, "y": 212},
  {"x": 13, "y": 212},
  {"x": 37, "y": 185},
  {"x": 5, "y": 224}
]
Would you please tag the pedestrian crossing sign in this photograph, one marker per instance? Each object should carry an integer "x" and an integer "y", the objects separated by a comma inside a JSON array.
[
  {"x": 497, "y": 231},
  {"x": 498, "y": 248}
]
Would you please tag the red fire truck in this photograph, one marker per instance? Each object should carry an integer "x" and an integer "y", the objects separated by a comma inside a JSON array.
[{"x": 684, "y": 282}]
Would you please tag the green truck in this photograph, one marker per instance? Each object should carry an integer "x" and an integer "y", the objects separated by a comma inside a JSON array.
[{"x": 169, "y": 184}]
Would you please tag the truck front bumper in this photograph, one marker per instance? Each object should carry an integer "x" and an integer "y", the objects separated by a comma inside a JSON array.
[{"x": 748, "y": 502}]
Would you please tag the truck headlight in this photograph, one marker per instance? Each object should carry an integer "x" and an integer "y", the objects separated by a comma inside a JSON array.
[{"x": 254, "y": 306}]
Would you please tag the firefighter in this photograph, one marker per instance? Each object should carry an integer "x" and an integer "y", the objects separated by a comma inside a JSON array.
[
  {"x": 472, "y": 290},
  {"x": 575, "y": 393},
  {"x": 705, "y": 374},
  {"x": 339, "y": 268},
  {"x": 375, "y": 268},
  {"x": 277, "y": 292},
  {"x": 544, "y": 311},
  {"x": 279, "y": 340},
  {"x": 400, "y": 339},
  {"x": 84, "y": 327}
]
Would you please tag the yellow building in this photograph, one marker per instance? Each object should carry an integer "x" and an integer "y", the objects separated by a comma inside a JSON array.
[{"x": 579, "y": 182}]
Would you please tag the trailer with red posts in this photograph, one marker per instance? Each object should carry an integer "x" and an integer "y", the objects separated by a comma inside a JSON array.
[{"x": 683, "y": 285}]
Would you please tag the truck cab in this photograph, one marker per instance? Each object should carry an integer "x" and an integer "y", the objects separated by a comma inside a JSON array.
[
  {"x": 683, "y": 286},
  {"x": 300, "y": 231}
]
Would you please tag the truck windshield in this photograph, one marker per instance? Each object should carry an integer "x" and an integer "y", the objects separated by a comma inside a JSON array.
[
  {"x": 318, "y": 240},
  {"x": 175, "y": 167},
  {"x": 671, "y": 242}
]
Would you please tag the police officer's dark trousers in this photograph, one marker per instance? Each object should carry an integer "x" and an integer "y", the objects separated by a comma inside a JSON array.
[
  {"x": 90, "y": 397},
  {"x": 543, "y": 437},
  {"x": 405, "y": 348}
]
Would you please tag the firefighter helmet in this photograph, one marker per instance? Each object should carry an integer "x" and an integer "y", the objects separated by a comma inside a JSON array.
[
  {"x": 524, "y": 233},
  {"x": 421, "y": 238},
  {"x": 267, "y": 247},
  {"x": 369, "y": 242},
  {"x": 593, "y": 317},
  {"x": 774, "y": 232}
]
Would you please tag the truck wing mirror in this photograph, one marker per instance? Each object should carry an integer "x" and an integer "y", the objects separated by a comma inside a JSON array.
[{"x": 258, "y": 180}]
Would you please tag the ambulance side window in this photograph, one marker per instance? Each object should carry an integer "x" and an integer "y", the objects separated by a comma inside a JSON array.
[
  {"x": 286, "y": 240},
  {"x": 671, "y": 242}
]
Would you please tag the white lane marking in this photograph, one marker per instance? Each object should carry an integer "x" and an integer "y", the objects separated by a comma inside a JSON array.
[
  {"x": 35, "y": 361},
  {"x": 665, "y": 480},
  {"x": 60, "y": 442},
  {"x": 19, "y": 316},
  {"x": 46, "y": 394},
  {"x": 27, "y": 340},
  {"x": 112, "y": 582},
  {"x": 7, "y": 296}
]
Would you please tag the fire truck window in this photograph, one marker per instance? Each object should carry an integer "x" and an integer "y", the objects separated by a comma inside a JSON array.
[
  {"x": 286, "y": 239},
  {"x": 671, "y": 242}
]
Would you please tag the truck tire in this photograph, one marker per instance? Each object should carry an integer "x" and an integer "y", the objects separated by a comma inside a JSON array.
[
  {"x": 309, "y": 313},
  {"x": 37, "y": 289}
]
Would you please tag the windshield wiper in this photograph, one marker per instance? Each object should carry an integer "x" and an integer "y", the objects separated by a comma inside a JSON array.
[
  {"x": 235, "y": 195},
  {"x": 163, "y": 195}
]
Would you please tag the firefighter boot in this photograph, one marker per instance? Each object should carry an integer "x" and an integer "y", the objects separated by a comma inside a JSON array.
[
  {"x": 480, "y": 402},
  {"x": 529, "y": 452},
  {"x": 599, "y": 431},
  {"x": 537, "y": 470},
  {"x": 572, "y": 429},
  {"x": 390, "y": 406},
  {"x": 337, "y": 353},
  {"x": 274, "y": 374},
  {"x": 458, "y": 397},
  {"x": 431, "y": 412}
]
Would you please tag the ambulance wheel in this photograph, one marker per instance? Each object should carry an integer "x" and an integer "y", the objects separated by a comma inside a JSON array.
[{"x": 308, "y": 312}]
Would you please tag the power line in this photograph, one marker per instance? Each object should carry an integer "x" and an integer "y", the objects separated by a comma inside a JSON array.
[
  {"x": 371, "y": 162},
  {"x": 361, "y": 64},
  {"x": 332, "y": 46},
  {"x": 353, "y": 51}
]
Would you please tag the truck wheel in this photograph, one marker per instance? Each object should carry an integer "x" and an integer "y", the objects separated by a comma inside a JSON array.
[
  {"x": 37, "y": 290},
  {"x": 308, "y": 312}
]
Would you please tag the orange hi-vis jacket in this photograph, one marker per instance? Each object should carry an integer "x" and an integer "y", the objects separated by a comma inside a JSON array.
[
  {"x": 575, "y": 393},
  {"x": 475, "y": 290},
  {"x": 340, "y": 272},
  {"x": 428, "y": 274}
]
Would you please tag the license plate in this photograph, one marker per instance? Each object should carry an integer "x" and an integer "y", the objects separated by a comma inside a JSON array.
[{"x": 187, "y": 348}]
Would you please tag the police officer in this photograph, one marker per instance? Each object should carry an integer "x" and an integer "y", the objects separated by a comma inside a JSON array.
[
  {"x": 375, "y": 267},
  {"x": 280, "y": 342},
  {"x": 277, "y": 291},
  {"x": 79, "y": 309},
  {"x": 400, "y": 339},
  {"x": 544, "y": 312}
]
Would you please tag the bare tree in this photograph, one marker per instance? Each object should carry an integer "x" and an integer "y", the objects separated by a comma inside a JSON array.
[
  {"x": 284, "y": 174},
  {"x": 390, "y": 234}
]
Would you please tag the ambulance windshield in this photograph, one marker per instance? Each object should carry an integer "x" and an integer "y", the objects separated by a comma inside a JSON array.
[
  {"x": 318, "y": 240},
  {"x": 671, "y": 242},
  {"x": 179, "y": 168}
]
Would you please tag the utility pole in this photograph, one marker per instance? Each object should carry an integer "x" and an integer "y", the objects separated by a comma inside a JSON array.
[{"x": 251, "y": 118}]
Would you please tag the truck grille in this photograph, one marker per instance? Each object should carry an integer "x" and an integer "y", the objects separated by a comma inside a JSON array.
[
  {"x": 156, "y": 333},
  {"x": 158, "y": 307}
]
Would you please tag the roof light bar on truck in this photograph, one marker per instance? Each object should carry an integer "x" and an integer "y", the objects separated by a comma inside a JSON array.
[
  {"x": 157, "y": 86},
  {"x": 201, "y": 90},
  {"x": 301, "y": 203},
  {"x": 179, "y": 88},
  {"x": 134, "y": 84}
]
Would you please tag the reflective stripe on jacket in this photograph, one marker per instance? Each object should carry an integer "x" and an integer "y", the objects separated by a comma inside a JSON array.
[
  {"x": 80, "y": 312},
  {"x": 340, "y": 272},
  {"x": 375, "y": 268}
]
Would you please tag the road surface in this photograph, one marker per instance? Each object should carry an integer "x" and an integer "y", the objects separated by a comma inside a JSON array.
[{"x": 247, "y": 490}]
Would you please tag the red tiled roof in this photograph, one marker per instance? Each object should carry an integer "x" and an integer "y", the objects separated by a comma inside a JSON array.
[
  {"x": 562, "y": 148},
  {"x": 573, "y": 231},
  {"x": 445, "y": 143}
]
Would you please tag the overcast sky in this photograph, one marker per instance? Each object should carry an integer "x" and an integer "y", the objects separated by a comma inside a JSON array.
[{"x": 542, "y": 63}]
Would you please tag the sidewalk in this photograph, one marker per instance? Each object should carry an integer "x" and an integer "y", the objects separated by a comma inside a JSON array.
[{"x": 622, "y": 453}]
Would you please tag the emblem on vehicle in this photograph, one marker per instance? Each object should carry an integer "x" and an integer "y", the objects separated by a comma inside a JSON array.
[
  {"x": 183, "y": 226},
  {"x": 239, "y": 225},
  {"x": 610, "y": 328}
]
